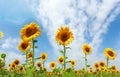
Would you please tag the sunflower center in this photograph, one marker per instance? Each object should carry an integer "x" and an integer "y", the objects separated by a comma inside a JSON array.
[
  {"x": 30, "y": 55},
  {"x": 110, "y": 53},
  {"x": 102, "y": 64},
  {"x": 16, "y": 62},
  {"x": 64, "y": 36},
  {"x": 38, "y": 64},
  {"x": 52, "y": 65},
  {"x": 96, "y": 65},
  {"x": 24, "y": 45},
  {"x": 61, "y": 60},
  {"x": 87, "y": 49},
  {"x": 72, "y": 63},
  {"x": 30, "y": 31},
  {"x": 21, "y": 68},
  {"x": 43, "y": 56}
]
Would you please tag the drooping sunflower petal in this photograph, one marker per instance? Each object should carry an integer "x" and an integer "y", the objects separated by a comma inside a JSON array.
[{"x": 64, "y": 36}]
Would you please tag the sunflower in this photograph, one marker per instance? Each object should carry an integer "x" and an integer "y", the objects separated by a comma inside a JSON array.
[
  {"x": 96, "y": 65},
  {"x": 113, "y": 67},
  {"x": 21, "y": 68},
  {"x": 29, "y": 55},
  {"x": 38, "y": 64},
  {"x": 43, "y": 56},
  {"x": 30, "y": 31},
  {"x": 16, "y": 62},
  {"x": 86, "y": 49},
  {"x": 64, "y": 36},
  {"x": 109, "y": 53},
  {"x": 72, "y": 63},
  {"x": 102, "y": 64},
  {"x": 24, "y": 46},
  {"x": 1, "y": 35},
  {"x": 61, "y": 59},
  {"x": 53, "y": 65}
]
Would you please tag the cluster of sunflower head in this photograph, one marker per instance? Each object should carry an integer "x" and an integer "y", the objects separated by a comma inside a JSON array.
[
  {"x": 15, "y": 66},
  {"x": 101, "y": 67},
  {"x": 28, "y": 33}
]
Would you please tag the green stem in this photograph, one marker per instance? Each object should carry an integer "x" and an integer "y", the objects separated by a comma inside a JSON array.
[
  {"x": 64, "y": 54},
  {"x": 26, "y": 56},
  {"x": 107, "y": 62},
  {"x": 33, "y": 50},
  {"x": 43, "y": 64},
  {"x": 86, "y": 62}
]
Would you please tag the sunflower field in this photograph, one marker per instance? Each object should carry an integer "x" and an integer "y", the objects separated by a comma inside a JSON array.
[{"x": 64, "y": 36}]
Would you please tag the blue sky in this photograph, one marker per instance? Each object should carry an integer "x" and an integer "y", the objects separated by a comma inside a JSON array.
[{"x": 94, "y": 22}]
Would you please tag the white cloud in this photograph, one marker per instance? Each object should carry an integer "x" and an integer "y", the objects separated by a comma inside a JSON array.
[
  {"x": 10, "y": 43},
  {"x": 88, "y": 20}
]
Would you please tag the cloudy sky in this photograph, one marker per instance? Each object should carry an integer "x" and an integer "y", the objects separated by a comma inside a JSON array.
[{"x": 96, "y": 22}]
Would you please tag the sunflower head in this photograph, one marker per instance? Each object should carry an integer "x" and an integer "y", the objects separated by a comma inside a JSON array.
[
  {"x": 53, "y": 65},
  {"x": 102, "y": 64},
  {"x": 43, "y": 56},
  {"x": 64, "y": 36},
  {"x": 24, "y": 46},
  {"x": 72, "y": 63},
  {"x": 29, "y": 55},
  {"x": 21, "y": 68},
  {"x": 16, "y": 62},
  {"x": 38, "y": 64},
  {"x": 30, "y": 31},
  {"x": 113, "y": 67},
  {"x": 86, "y": 49},
  {"x": 1, "y": 35},
  {"x": 61, "y": 59},
  {"x": 109, "y": 53},
  {"x": 96, "y": 65}
]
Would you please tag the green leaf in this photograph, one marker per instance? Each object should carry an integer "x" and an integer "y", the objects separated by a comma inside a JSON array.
[
  {"x": 67, "y": 47},
  {"x": 3, "y": 55},
  {"x": 61, "y": 51},
  {"x": 36, "y": 46},
  {"x": 35, "y": 41},
  {"x": 88, "y": 65}
]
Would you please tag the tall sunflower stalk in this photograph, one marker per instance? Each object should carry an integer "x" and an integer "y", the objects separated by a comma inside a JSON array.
[
  {"x": 87, "y": 50},
  {"x": 28, "y": 34},
  {"x": 64, "y": 36},
  {"x": 64, "y": 54},
  {"x": 110, "y": 55}
]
